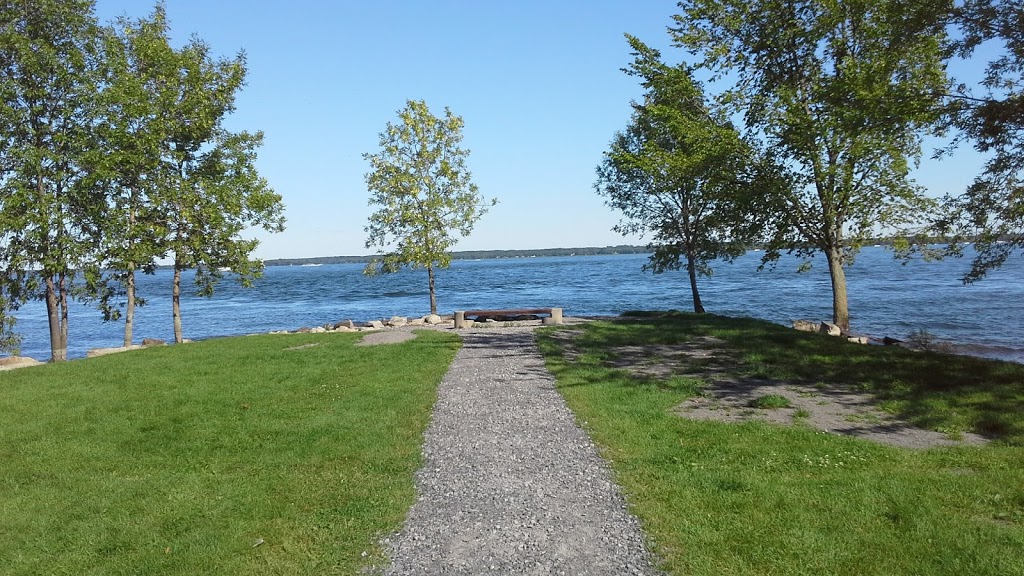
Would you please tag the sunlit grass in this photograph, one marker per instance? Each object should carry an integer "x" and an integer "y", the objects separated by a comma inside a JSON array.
[
  {"x": 232, "y": 456},
  {"x": 758, "y": 498}
]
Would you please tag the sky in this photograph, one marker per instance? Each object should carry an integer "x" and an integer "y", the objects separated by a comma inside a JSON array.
[{"x": 538, "y": 84}]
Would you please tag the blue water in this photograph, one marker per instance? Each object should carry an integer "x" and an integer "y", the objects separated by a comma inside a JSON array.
[{"x": 886, "y": 298}]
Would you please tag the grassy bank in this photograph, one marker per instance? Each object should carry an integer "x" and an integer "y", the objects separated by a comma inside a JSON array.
[
  {"x": 284, "y": 454},
  {"x": 756, "y": 498}
]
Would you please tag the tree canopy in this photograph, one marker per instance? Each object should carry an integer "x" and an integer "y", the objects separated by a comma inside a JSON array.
[
  {"x": 113, "y": 154},
  {"x": 423, "y": 191},
  {"x": 679, "y": 172},
  {"x": 839, "y": 95},
  {"x": 48, "y": 81},
  {"x": 990, "y": 114}
]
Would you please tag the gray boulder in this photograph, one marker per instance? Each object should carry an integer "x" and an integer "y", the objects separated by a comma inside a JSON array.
[{"x": 830, "y": 329}]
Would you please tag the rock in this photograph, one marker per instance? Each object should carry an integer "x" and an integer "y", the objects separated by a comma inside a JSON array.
[
  {"x": 432, "y": 319},
  {"x": 417, "y": 322},
  {"x": 96, "y": 352},
  {"x": 398, "y": 321},
  {"x": 375, "y": 324},
  {"x": 830, "y": 329},
  {"x": 153, "y": 342},
  {"x": 891, "y": 341},
  {"x": 345, "y": 329},
  {"x": 303, "y": 330},
  {"x": 345, "y": 324},
  {"x": 858, "y": 339},
  {"x": 805, "y": 325},
  {"x": 317, "y": 330},
  {"x": 15, "y": 362}
]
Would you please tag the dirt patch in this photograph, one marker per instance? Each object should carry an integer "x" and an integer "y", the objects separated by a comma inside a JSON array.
[
  {"x": 386, "y": 337},
  {"x": 730, "y": 398},
  {"x": 823, "y": 407}
]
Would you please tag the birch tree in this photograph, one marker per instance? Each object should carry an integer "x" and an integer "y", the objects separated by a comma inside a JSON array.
[{"x": 425, "y": 196}]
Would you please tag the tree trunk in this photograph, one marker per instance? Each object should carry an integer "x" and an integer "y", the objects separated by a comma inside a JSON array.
[
  {"x": 433, "y": 296},
  {"x": 58, "y": 353},
  {"x": 176, "y": 303},
  {"x": 691, "y": 269},
  {"x": 840, "y": 305},
  {"x": 129, "y": 314},
  {"x": 63, "y": 317}
]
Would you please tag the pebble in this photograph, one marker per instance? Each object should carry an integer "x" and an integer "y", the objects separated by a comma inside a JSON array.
[{"x": 510, "y": 483}]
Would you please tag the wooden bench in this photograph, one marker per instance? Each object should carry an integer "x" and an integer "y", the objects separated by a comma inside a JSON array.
[{"x": 462, "y": 316}]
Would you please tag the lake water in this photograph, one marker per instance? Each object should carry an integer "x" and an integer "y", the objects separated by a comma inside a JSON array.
[{"x": 886, "y": 298}]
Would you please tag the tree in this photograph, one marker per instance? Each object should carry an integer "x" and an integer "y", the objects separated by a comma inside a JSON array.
[
  {"x": 209, "y": 190},
  {"x": 991, "y": 211},
  {"x": 48, "y": 84},
  {"x": 138, "y": 110},
  {"x": 839, "y": 95},
  {"x": 678, "y": 172},
  {"x": 422, "y": 186}
]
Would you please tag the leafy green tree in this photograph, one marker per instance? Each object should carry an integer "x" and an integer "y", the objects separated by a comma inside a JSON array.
[
  {"x": 678, "y": 172},
  {"x": 991, "y": 211},
  {"x": 48, "y": 83},
  {"x": 138, "y": 102},
  {"x": 211, "y": 190},
  {"x": 422, "y": 186},
  {"x": 839, "y": 95}
]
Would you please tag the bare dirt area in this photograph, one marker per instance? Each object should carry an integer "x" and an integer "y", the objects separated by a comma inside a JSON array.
[{"x": 729, "y": 397}]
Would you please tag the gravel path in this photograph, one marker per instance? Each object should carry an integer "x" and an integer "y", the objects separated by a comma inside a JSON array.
[{"x": 510, "y": 484}]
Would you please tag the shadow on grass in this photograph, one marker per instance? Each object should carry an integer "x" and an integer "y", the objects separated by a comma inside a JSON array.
[{"x": 943, "y": 392}]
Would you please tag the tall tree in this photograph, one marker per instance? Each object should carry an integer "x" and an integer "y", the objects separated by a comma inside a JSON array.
[
  {"x": 991, "y": 211},
  {"x": 210, "y": 190},
  {"x": 48, "y": 84},
  {"x": 839, "y": 93},
  {"x": 422, "y": 186},
  {"x": 678, "y": 172},
  {"x": 138, "y": 110}
]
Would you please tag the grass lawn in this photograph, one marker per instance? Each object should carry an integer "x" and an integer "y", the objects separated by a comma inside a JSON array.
[
  {"x": 756, "y": 498},
  {"x": 229, "y": 456}
]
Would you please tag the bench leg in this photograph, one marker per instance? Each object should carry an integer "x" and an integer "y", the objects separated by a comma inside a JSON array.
[
  {"x": 556, "y": 315},
  {"x": 460, "y": 319}
]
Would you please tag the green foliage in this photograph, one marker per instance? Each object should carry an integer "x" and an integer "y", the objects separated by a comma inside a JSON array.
[
  {"x": 839, "y": 95},
  {"x": 423, "y": 190},
  {"x": 991, "y": 212},
  {"x": 679, "y": 172},
  {"x": 756, "y": 498},
  {"x": 48, "y": 82},
  {"x": 176, "y": 460}
]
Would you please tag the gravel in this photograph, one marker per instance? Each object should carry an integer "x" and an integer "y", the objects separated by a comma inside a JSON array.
[{"x": 510, "y": 484}]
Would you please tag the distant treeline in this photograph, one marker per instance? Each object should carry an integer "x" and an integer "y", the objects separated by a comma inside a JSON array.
[{"x": 473, "y": 255}]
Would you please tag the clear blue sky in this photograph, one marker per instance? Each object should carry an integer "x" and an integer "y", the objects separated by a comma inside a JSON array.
[{"x": 538, "y": 84}]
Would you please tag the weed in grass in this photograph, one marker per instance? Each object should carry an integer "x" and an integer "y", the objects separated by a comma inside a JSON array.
[
  {"x": 770, "y": 401},
  {"x": 802, "y": 413},
  {"x": 863, "y": 418}
]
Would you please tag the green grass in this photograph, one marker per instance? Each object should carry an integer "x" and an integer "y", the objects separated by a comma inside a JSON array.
[
  {"x": 177, "y": 460},
  {"x": 758, "y": 498},
  {"x": 770, "y": 402}
]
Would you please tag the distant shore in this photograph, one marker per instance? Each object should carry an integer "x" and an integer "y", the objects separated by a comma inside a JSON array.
[{"x": 472, "y": 255}]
